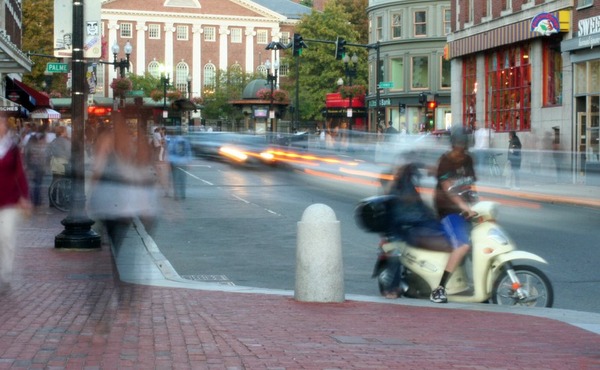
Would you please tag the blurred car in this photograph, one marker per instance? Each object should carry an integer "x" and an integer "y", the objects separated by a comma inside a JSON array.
[{"x": 239, "y": 149}]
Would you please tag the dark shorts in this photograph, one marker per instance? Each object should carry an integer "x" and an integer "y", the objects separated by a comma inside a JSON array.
[{"x": 458, "y": 230}]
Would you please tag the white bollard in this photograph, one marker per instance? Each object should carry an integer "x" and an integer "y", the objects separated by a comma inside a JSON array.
[{"x": 319, "y": 265}]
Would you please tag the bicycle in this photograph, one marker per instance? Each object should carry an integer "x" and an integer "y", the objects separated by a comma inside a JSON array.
[
  {"x": 494, "y": 168},
  {"x": 59, "y": 192}
]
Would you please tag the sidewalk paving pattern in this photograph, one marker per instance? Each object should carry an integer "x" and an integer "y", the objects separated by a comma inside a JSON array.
[{"x": 69, "y": 309}]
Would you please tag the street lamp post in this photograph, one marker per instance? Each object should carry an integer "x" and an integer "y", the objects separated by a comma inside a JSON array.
[
  {"x": 78, "y": 233},
  {"x": 122, "y": 64},
  {"x": 272, "y": 79},
  {"x": 165, "y": 79},
  {"x": 350, "y": 65}
]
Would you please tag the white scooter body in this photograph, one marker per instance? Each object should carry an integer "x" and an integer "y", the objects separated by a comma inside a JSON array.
[{"x": 491, "y": 249}]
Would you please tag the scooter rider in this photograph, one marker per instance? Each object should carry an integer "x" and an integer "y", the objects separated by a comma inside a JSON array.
[{"x": 454, "y": 166}]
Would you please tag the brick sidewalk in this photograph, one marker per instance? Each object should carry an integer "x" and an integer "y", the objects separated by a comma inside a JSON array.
[{"x": 68, "y": 310}]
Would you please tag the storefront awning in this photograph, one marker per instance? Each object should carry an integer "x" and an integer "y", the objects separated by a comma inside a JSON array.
[
  {"x": 12, "y": 59},
  {"x": 11, "y": 107},
  {"x": 26, "y": 95},
  {"x": 45, "y": 113}
]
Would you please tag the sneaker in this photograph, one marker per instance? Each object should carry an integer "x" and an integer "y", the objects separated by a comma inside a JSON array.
[{"x": 438, "y": 295}]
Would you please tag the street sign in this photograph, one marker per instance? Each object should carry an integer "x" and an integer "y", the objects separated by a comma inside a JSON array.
[
  {"x": 57, "y": 67},
  {"x": 386, "y": 85},
  {"x": 135, "y": 93}
]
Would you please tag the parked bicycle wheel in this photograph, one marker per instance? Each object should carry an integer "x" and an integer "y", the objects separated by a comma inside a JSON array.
[
  {"x": 59, "y": 194},
  {"x": 494, "y": 167}
]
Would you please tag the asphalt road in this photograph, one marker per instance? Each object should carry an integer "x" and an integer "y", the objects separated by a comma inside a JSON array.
[{"x": 239, "y": 227}]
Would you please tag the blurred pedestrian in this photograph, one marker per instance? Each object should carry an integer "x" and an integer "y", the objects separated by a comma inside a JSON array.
[
  {"x": 59, "y": 153},
  {"x": 481, "y": 148},
  {"x": 123, "y": 182},
  {"x": 14, "y": 199},
  {"x": 179, "y": 154},
  {"x": 514, "y": 158},
  {"x": 36, "y": 163}
]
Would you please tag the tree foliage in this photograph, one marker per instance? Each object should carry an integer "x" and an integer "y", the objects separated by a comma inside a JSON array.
[
  {"x": 38, "y": 31},
  {"x": 319, "y": 71}
]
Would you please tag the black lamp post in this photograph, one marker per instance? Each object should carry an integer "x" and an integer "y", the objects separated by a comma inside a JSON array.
[
  {"x": 189, "y": 87},
  {"x": 350, "y": 70},
  {"x": 78, "y": 233},
  {"x": 165, "y": 79},
  {"x": 271, "y": 80},
  {"x": 122, "y": 64}
]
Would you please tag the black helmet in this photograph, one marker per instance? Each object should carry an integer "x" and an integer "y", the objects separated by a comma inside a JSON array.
[{"x": 458, "y": 136}]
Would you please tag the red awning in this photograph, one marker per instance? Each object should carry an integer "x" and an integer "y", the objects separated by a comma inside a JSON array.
[{"x": 25, "y": 95}]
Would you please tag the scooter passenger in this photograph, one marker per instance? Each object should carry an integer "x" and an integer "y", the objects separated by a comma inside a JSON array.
[{"x": 454, "y": 166}]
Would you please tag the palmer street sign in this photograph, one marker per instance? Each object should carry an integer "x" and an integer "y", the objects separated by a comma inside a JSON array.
[{"x": 57, "y": 67}]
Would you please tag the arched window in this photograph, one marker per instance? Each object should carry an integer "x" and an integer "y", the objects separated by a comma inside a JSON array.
[
  {"x": 154, "y": 69},
  {"x": 210, "y": 74},
  {"x": 181, "y": 74},
  {"x": 262, "y": 71}
]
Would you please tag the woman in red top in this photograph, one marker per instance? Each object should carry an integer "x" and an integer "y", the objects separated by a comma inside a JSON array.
[{"x": 14, "y": 199}]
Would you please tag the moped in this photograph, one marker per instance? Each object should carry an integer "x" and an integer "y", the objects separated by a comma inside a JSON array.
[{"x": 494, "y": 271}]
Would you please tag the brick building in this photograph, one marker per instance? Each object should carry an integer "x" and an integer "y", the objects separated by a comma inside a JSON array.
[
  {"x": 196, "y": 38},
  {"x": 517, "y": 66}
]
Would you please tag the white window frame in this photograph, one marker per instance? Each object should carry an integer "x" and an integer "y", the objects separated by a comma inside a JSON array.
[
  {"x": 236, "y": 35},
  {"x": 210, "y": 34},
  {"x": 379, "y": 28},
  {"x": 423, "y": 23},
  {"x": 182, "y": 32},
  {"x": 396, "y": 25},
  {"x": 126, "y": 30},
  {"x": 285, "y": 38},
  {"x": 154, "y": 69},
  {"x": 447, "y": 21},
  {"x": 182, "y": 71},
  {"x": 210, "y": 75},
  {"x": 262, "y": 37},
  {"x": 154, "y": 31}
]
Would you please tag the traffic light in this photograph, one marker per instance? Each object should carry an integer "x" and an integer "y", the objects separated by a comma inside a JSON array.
[
  {"x": 422, "y": 98},
  {"x": 431, "y": 105},
  {"x": 298, "y": 45},
  {"x": 340, "y": 48},
  {"x": 380, "y": 116}
]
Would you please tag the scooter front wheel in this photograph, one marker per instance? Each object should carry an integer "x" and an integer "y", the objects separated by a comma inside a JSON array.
[{"x": 536, "y": 285}]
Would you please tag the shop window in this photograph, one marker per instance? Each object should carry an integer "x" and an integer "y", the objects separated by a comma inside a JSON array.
[
  {"x": 397, "y": 71},
  {"x": 553, "y": 81},
  {"x": 469, "y": 88},
  {"x": 420, "y": 73},
  {"x": 508, "y": 89}
]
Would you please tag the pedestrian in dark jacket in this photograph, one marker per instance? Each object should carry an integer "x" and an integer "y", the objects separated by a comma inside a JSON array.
[
  {"x": 35, "y": 161},
  {"x": 514, "y": 157}
]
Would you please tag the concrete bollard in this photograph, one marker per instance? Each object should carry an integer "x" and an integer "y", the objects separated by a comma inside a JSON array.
[{"x": 319, "y": 265}]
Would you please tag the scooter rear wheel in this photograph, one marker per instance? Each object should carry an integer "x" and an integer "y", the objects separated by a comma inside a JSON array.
[{"x": 533, "y": 281}]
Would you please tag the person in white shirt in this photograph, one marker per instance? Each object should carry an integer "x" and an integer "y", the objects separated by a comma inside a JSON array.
[{"x": 482, "y": 137}]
